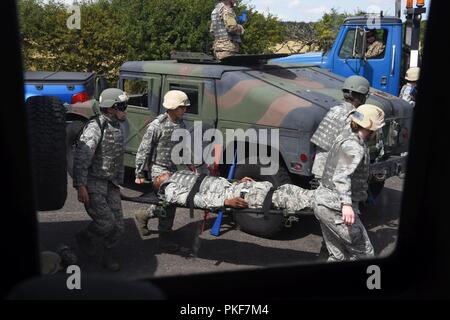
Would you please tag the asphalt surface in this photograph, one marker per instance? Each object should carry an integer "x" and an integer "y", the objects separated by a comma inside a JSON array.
[{"x": 232, "y": 250}]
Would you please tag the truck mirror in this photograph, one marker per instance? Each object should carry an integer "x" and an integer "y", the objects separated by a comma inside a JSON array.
[
  {"x": 100, "y": 84},
  {"x": 359, "y": 44}
]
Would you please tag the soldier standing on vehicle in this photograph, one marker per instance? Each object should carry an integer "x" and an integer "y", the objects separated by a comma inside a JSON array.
[
  {"x": 155, "y": 153},
  {"x": 225, "y": 29},
  {"x": 344, "y": 185},
  {"x": 97, "y": 173},
  {"x": 409, "y": 90},
  {"x": 355, "y": 90},
  {"x": 375, "y": 47}
]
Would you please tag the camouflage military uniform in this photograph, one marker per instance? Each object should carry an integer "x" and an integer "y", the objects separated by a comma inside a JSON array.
[
  {"x": 98, "y": 165},
  {"x": 215, "y": 190},
  {"x": 344, "y": 181},
  {"x": 329, "y": 128},
  {"x": 408, "y": 93},
  {"x": 374, "y": 50},
  {"x": 156, "y": 147},
  {"x": 227, "y": 32}
]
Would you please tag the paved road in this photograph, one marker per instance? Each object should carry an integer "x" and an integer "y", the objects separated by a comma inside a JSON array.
[{"x": 231, "y": 251}]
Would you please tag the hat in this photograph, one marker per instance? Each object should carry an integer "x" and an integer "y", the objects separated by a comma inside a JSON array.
[
  {"x": 174, "y": 99},
  {"x": 369, "y": 117},
  {"x": 412, "y": 74}
]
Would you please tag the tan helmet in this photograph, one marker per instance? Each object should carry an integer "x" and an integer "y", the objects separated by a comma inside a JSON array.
[
  {"x": 174, "y": 99},
  {"x": 369, "y": 117},
  {"x": 412, "y": 74}
]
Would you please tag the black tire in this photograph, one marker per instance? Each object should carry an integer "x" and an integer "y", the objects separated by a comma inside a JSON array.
[
  {"x": 47, "y": 123},
  {"x": 72, "y": 130},
  {"x": 254, "y": 223}
]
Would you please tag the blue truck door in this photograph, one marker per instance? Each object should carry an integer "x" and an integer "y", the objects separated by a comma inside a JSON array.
[
  {"x": 344, "y": 63},
  {"x": 377, "y": 69}
]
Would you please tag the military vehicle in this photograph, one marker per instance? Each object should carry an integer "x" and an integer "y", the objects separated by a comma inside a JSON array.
[{"x": 247, "y": 91}]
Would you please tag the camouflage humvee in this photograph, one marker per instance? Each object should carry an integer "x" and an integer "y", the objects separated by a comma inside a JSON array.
[{"x": 246, "y": 92}]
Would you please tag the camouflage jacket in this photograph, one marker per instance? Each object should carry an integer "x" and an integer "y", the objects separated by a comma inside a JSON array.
[
  {"x": 215, "y": 190},
  {"x": 408, "y": 93},
  {"x": 344, "y": 179},
  {"x": 375, "y": 49},
  {"x": 156, "y": 145},
  {"x": 224, "y": 24},
  {"x": 94, "y": 160}
]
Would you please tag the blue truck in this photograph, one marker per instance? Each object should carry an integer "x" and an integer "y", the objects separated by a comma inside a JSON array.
[
  {"x": 348, "y": 54},
  {"x": 68, "y": 87}
]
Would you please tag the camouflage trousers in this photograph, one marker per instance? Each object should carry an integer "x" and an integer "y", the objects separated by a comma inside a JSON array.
[
  {"x": 225, "y": 48},
  {"x": 105, "y": 210},
  {"x": 343, "y": 242}
]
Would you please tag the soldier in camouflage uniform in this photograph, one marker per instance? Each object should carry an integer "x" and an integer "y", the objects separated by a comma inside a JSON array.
[
  {"x": 375, "y": 48},
  {"x": 218, "y": 192},
  {"x": 409, "y": 90},
  {"x": 227, "y": 32},
  {"x": 97, "y": 173},
  {"x": 344, "y": 185},
  {"x": 355, "y": 90},
  {"x": 155, "y": 152}
]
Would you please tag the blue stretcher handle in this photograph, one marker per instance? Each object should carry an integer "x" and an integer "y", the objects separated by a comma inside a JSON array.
[{"x": 215, "y": 230}]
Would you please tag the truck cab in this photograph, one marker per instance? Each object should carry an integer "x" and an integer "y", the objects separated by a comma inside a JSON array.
[{"x": 347, "y": 55}]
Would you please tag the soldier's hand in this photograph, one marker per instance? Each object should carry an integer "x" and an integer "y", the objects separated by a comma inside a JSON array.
[
  {"x": 348, "y": 215},
  {"x": 83, "y": 195},
  {"x": 246, "y": 179},
  {"x": 139, "y": 181},
  {"x": 242, "y": 29},
  {"x": 237, "y": 203}
]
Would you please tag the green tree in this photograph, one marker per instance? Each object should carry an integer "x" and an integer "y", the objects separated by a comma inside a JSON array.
[{"x": 328, "y": 27}]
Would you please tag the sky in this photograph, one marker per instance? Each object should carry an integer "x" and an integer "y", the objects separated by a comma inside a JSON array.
[{"x": 312, "y": 10}]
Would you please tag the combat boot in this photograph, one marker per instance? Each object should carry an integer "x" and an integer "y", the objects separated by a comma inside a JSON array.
[
  {"x": 141, "y": 222},
  {"x": 85, "y": 243},
  {"x": 167, "y": 244},
  {"x": 109, "y": 262}
]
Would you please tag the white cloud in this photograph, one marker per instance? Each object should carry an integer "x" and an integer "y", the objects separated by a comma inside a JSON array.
[
  {"x": 294, "y": 3},
  {"x": 318, "y": 10}
]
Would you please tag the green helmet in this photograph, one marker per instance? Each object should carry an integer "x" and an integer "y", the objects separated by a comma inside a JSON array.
[
  {"x": 356, "y": 84},
  {"x": 112, "y": 96}
]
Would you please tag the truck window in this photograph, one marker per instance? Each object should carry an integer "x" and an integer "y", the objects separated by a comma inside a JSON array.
[
  {"x": 347, "y": 46},
  {"x": 137, "y": 91},
  {"x": 376, "y": 43},
  {"x": 192, "y": 93}
]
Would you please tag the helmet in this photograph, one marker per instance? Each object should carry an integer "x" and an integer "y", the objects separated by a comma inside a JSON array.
[
  {"x": 412, "y": 74},
  {"x": 356, "y": 84},
  {"x": 111, "y": 97},
  {"x": 369, "y": 117},
  {"x": 174, "y": 99},
  {"x": 50, "y": 262}
]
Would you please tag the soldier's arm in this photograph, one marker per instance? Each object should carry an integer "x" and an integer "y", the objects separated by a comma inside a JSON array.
[
  {"x": 229, "y": 19},
  {"x": 84, "y": 153},
  {"x": 146, "y": 148},
  {"x": 350, "y": 155}
]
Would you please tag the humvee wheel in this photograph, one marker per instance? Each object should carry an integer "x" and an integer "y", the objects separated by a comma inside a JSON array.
[
  {"x": 72, "y": 130},
  {"x": 47, "y": 120},
  {"x": 254, "y": 223}
]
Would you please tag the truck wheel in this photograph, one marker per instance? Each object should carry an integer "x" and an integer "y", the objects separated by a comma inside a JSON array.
[
  {"x": 72, "y": 131},
  {"x": 254, "y": 223},
  {"x": 47, "y": 121}
]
